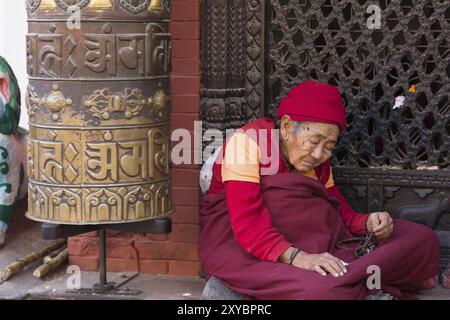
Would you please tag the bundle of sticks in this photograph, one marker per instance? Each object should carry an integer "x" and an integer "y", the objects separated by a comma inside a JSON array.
[
  {"x": 52, "y": 262},
  {"x": 54, "y": 254}
]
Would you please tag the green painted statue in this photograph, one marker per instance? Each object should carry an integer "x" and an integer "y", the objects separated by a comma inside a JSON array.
[{"x": 13, "y": 152}]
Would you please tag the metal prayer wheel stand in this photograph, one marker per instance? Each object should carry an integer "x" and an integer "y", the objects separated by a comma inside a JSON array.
[{"x": 99, "y": 105}]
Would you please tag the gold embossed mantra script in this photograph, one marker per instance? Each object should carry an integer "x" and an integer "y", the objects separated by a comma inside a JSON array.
[{"x": 99, "y": 104}]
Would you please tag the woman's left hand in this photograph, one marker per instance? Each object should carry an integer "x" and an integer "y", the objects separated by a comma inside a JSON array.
[{"x": 381, "y": 223}]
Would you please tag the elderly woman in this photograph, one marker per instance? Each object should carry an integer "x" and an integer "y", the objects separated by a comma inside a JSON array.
[{"x": 273, "y": 233}]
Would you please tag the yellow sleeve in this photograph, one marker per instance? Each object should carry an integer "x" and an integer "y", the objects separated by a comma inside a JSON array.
[
  {"x": 241, "y": 160},
  {"x": 312, "y": 174},
  {"x": 330, "y": 181}
]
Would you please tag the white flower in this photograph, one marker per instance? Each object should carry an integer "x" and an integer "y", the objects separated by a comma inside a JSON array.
[{"x": 399, "y": 101}]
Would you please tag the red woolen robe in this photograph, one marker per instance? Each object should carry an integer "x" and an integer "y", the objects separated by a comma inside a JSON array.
[{"x": 250, "y": 216}]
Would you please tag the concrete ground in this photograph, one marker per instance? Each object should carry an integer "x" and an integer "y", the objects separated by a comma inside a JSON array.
[{"x": 24, "y": 237}]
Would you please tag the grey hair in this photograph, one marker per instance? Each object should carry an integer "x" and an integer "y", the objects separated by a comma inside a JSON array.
[{"x": 295, "y": 127}]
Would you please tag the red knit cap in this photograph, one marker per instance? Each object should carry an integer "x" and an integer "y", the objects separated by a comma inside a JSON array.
[{"x": 314, "y": 101}]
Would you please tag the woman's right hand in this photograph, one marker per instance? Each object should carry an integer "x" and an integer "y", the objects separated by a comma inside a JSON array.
[{"x": 321, "y": 263}]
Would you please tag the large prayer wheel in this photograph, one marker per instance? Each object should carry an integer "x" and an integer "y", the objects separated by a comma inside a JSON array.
[{"x": 99, "y": 103}]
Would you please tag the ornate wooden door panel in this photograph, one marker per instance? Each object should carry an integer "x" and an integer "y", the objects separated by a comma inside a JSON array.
[
  {"x": 255, "y": 51},
  {"x": 407, "y": 58},
  {"x": 232, "y": 63}
]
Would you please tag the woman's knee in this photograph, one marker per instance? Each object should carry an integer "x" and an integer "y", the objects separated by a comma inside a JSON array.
[
  {"x": 328, "y": 290},
  {"x": 337, "y": 293},
  {"x": 426, "y": 236},
  {"x": 415, "y": 231}
]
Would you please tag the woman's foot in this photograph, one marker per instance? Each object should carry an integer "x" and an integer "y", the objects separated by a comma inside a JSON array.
[
  {"x": 380, "y": 295},
  {"x": 427, "y": 284}
]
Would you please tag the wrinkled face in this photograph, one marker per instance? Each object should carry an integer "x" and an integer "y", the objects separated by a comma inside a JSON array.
[{"x": 307, "y": 145}]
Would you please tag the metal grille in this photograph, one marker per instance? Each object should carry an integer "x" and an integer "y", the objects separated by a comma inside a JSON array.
[{"x": 329, "y": 40}]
